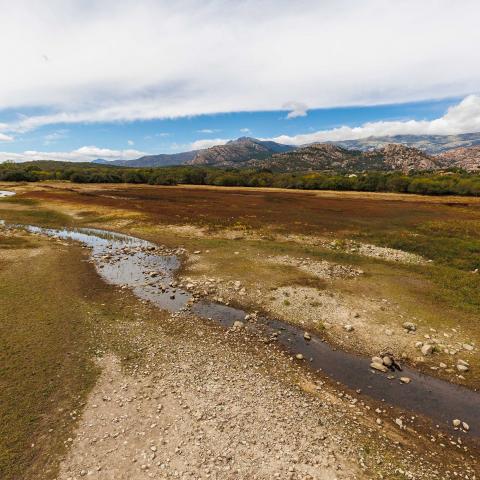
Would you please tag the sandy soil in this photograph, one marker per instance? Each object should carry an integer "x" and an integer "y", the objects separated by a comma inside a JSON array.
[{"x": 193, "y": 411}]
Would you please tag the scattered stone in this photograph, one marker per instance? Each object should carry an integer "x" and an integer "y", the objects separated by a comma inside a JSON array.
[
  {"x": 387, "y": 361},
  {"x": 349, "y": 328},
  {"x": 405, "y": 379},
  {"x": 465, "y": 426},
  {"x": 238, "y": 325},
  {"x": 307, "y": 336},
  {"x": 379, "y": 366},
  {"x": 467, "y": 346},
  {"x": 409, "y": 326},
  {"x": 427, "y": 349},
  {"x": 299, "y": 356},
  {"x": 456, "y": 423}
]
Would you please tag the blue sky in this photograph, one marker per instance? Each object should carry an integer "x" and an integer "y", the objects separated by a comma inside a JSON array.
[
  {"x": 174, "y": 135},
  {"x": 110, "y": 79}
]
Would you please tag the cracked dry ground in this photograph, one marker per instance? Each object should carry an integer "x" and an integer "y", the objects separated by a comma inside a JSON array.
[{"x": 203, "y": 402}]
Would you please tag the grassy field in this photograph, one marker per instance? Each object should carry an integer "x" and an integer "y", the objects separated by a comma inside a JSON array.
[
  {"x": 258, "y": 223},
  {"x": 52, "y": 322},
  {"x": 45, "y": 367}
]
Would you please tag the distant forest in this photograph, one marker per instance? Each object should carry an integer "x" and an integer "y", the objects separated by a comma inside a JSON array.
[{"x": 426, "y": 183}]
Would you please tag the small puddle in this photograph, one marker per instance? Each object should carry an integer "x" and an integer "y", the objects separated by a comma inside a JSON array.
[
  {"x": 149, "y": 272},
  {"x": 6, "y": 193}
]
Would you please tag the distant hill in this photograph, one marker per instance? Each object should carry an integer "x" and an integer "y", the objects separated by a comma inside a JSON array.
[
  {"x": 332, "y": 157},
  {"x": 467, "y": 158},
  {"x": 377, "y": 153},
  {"x": 432, "y": 144},
  {"x": 161, "y": 160},
  {"x": 238, "y": 151}
]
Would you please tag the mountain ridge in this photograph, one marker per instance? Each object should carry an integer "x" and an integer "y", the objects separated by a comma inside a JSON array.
[{"x": 401, "y": 152}]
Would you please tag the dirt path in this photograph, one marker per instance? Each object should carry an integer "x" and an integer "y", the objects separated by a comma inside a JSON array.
[
  {"x": 202, "y": 402},
  {"x": 204, "y": 409}
]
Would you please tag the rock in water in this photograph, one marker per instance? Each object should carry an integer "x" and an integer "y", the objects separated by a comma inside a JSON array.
[{"x": 379, "y": 366}]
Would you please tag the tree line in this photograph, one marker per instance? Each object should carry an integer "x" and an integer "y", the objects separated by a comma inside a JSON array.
[{"x": 455, "y": 182}]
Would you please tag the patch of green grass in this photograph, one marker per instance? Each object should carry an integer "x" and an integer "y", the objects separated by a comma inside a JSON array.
[
  {"x": 19, "y": 201},
  {"x": 8, "y": 243},
  {"x": 37, "y": 216},
  {"x": 45, "y": 366}
]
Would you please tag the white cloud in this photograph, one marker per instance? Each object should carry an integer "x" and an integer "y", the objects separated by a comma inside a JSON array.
[
  {"x": 83, "y": 154},
  {"x": 6, "y": 138},
  {"x": 54, "y": 136},
  {"x": 461, "y": 118},
  {"x": 245, "y": 130},
  {"x": 130, "y": 142},
  {"x": 208, "y": 130},
  {"x": 297, "y": 109},
  {"x": 207, "y": 143},
  {"x": 145, "y": 59}
]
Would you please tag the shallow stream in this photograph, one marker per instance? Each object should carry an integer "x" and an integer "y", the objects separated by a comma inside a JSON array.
[{"x": 149, "y": 272}]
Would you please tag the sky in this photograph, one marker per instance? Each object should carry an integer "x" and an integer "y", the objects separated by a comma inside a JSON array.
[{"x": 87, "y": 79}]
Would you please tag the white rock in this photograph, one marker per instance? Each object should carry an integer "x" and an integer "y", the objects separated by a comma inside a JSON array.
[
  {"x": 427, "y": 349},
  {"x": 379, "y": 366},
  {"x": 387, "y": 361}
]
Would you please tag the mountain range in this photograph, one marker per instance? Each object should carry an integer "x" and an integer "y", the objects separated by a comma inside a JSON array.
[{"x": 401, "y": 152}]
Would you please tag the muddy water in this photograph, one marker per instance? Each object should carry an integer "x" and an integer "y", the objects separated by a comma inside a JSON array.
[
  {"x": 148, "y": 271},
  {"x": 129, "y": 262}
]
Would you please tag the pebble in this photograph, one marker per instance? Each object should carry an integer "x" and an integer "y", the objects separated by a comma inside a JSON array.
[
  {"x": 411, "y": 327},
  {"x": 405, "y": 379},
  {"x": 427, "y": 349},
  {"x": 237, "y": 325}
]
